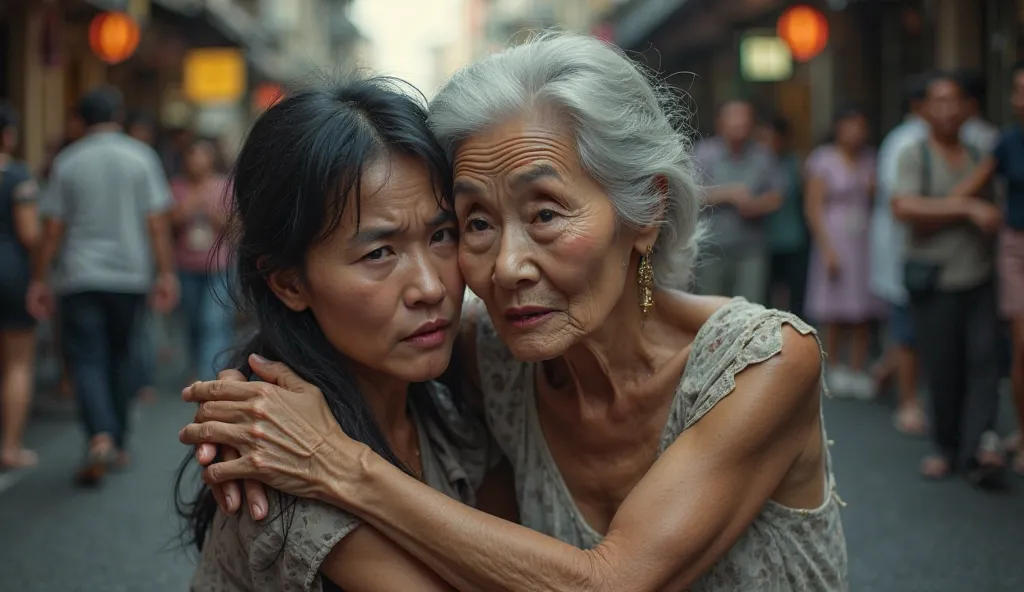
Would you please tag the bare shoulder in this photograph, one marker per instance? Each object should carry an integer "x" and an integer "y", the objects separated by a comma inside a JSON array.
[
  {"x": 687, "y": 310},
  {"x": 798, "y": 365}
]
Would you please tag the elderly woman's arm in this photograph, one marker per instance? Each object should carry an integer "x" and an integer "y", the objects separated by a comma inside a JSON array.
[{"x": 687, "y": 512}]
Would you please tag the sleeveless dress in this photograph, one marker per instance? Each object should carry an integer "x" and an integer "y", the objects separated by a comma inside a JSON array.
[
  {"x": 284, "y": 553},
  {"x": 846, "y": 298},
  {"x": 784, "y": 549}
]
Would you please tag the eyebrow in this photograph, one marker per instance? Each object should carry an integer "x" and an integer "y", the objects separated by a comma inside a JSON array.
[
  {"x": 465, "y": 187},
  {"x": 372, "y": 235},
  {"x": 538, "y": 172}
]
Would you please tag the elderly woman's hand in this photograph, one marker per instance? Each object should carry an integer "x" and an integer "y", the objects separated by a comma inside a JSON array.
[
  {"x": 284, "y": 433},
  {"x": 229, "y": 495}
]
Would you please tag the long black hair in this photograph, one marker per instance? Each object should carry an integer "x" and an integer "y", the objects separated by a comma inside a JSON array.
[{"x": 299, "y": 169}]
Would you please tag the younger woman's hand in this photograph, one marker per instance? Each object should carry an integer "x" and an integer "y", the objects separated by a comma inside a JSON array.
[{"x": 285, "y": 434}]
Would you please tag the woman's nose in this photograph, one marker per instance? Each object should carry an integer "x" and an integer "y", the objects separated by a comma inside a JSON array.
[
  {"x": 425, "y": 284},
  {"x": 513, "y": 266}
]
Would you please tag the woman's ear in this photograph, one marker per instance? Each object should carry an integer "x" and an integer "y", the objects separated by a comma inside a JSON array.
[
  {"x": 647, "y": 236},
  {"x": 289, "y": 289}
]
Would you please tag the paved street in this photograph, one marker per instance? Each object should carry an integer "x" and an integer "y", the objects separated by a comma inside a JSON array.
[{"x": 904, "y": 535}]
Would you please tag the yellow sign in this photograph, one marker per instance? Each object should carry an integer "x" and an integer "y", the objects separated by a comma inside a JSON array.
[{"x": 214, "y": 75}]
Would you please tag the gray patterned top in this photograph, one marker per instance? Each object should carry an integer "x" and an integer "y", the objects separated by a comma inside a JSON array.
[
  {"x": 783, "y": 549},
  {"x": 243, "y": 555}
]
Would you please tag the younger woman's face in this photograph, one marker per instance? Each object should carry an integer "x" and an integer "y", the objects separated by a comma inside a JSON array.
[{"x": 387, "y": 292}]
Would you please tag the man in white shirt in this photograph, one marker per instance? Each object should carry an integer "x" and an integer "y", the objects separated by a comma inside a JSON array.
[
  {"x": 888, "y": 242},
  {"x": 976, "y": 131}
]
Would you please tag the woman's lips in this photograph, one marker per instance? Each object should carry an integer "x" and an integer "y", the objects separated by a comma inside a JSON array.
[
  {"x": 431, "y": 334},
  {"x": 528, "y": 316}
]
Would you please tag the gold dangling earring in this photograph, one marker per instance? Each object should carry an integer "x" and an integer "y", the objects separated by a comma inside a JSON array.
[{"x": 645, "y": 277}]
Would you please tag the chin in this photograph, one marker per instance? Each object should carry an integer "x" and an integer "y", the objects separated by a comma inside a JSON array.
[
  {"x": 536, "y": 347},
  {"x": 423, "y": 367}
]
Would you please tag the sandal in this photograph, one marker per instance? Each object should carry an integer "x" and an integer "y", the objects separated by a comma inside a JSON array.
[
  {"x": 935, "y": 467},
  {"x": 22, "y": 458},
  {"x": 95, "y": 467}
]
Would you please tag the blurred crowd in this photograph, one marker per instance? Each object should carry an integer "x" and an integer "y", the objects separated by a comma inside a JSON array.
[
  {"x": 910, "y": 257},
  {"x": 121, "y": 216},
  {"x": 917, "y": 246}
]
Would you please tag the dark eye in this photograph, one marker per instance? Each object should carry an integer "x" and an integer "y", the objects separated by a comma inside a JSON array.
[
  {"x": 377, "y": 254},
  {"x": 445, "y": 234},
  {"x": 477, "y": 225},
  {"x": 545, "y": 216}
]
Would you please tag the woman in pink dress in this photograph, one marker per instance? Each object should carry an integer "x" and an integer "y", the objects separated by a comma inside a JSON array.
[
  {"x": 199, "y": 216},
  {"x": 840, "y": 179}
]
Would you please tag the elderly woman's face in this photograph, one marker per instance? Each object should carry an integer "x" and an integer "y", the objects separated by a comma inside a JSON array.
[{"x": 540, "y": 242}]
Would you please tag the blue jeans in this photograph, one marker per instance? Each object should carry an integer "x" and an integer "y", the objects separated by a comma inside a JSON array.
[
  {"x": 209, "y": 320},
  {"x": 97, "y": 330}
]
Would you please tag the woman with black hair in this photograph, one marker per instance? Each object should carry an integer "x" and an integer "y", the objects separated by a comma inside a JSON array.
[
  {"x": 346, "y": 248},
  {"x": 19, "y": 234},
  {"x": 838, "y": 196}
]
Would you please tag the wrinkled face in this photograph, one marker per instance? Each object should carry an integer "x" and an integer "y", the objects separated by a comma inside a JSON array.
[
  {"x": 540, "y": 241},
  {"x": 388, "y": 293}
]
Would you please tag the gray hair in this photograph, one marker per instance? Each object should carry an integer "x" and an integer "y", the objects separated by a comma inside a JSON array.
[{"x": 626, "y": 128}]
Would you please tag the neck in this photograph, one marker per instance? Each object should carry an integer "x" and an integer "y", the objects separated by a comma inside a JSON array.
[
  {"x": 616, "y": 358},
  {"x": 736, "y": 146},
  {"x": 945, "y": 140},
  {"x": 100, "y": 128},
  {"x": 387, "y": 398},
  {"x": 849, "y": 151}
]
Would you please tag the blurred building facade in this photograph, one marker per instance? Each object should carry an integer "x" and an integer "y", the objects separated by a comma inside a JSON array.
[
  {"x": 873, "y": 45},
  {"x": 508, "y": 21},
  {"x": 48, "y": 61}
]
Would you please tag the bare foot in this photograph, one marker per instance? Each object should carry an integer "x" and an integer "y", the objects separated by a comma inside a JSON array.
[
  {"x": 910, "y": 420},
  {"x": 935, "y": 467},
  {"x": 22, "y": 458}
]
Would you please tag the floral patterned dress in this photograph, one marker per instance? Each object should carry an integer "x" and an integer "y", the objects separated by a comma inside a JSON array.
[
  {"x": 283, "y": 553},
  {"x": 784, "y": 549}
]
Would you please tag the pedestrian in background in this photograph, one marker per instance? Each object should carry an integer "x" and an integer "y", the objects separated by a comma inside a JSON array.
[
  {"x": 786, "y": 227},
  {"x": 742, "y": 189},
  {"x": 840, "y": 186},
  {"x": 1007, "y": 162},
  {"x": 106, "y": 221},
  {"x": 19, "y": 235},
  {"x": 976, "y": 131},
  {"x": 199, "y": 216},
  {"x": 888, "y": 243},
  {"x": 949, "y": 275},
  {"x": 142, "y": 127}
]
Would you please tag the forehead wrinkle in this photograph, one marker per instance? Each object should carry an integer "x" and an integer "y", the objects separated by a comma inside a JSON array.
[{"x": 531, "y": 153}]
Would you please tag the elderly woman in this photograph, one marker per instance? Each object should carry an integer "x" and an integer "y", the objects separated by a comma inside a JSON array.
[{"x": 659, "y": 440}]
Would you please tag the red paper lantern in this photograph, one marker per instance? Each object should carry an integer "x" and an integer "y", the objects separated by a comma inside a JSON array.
[
  {"x": 113, "y": 36},
  {"x": 805, "y": 31}
]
